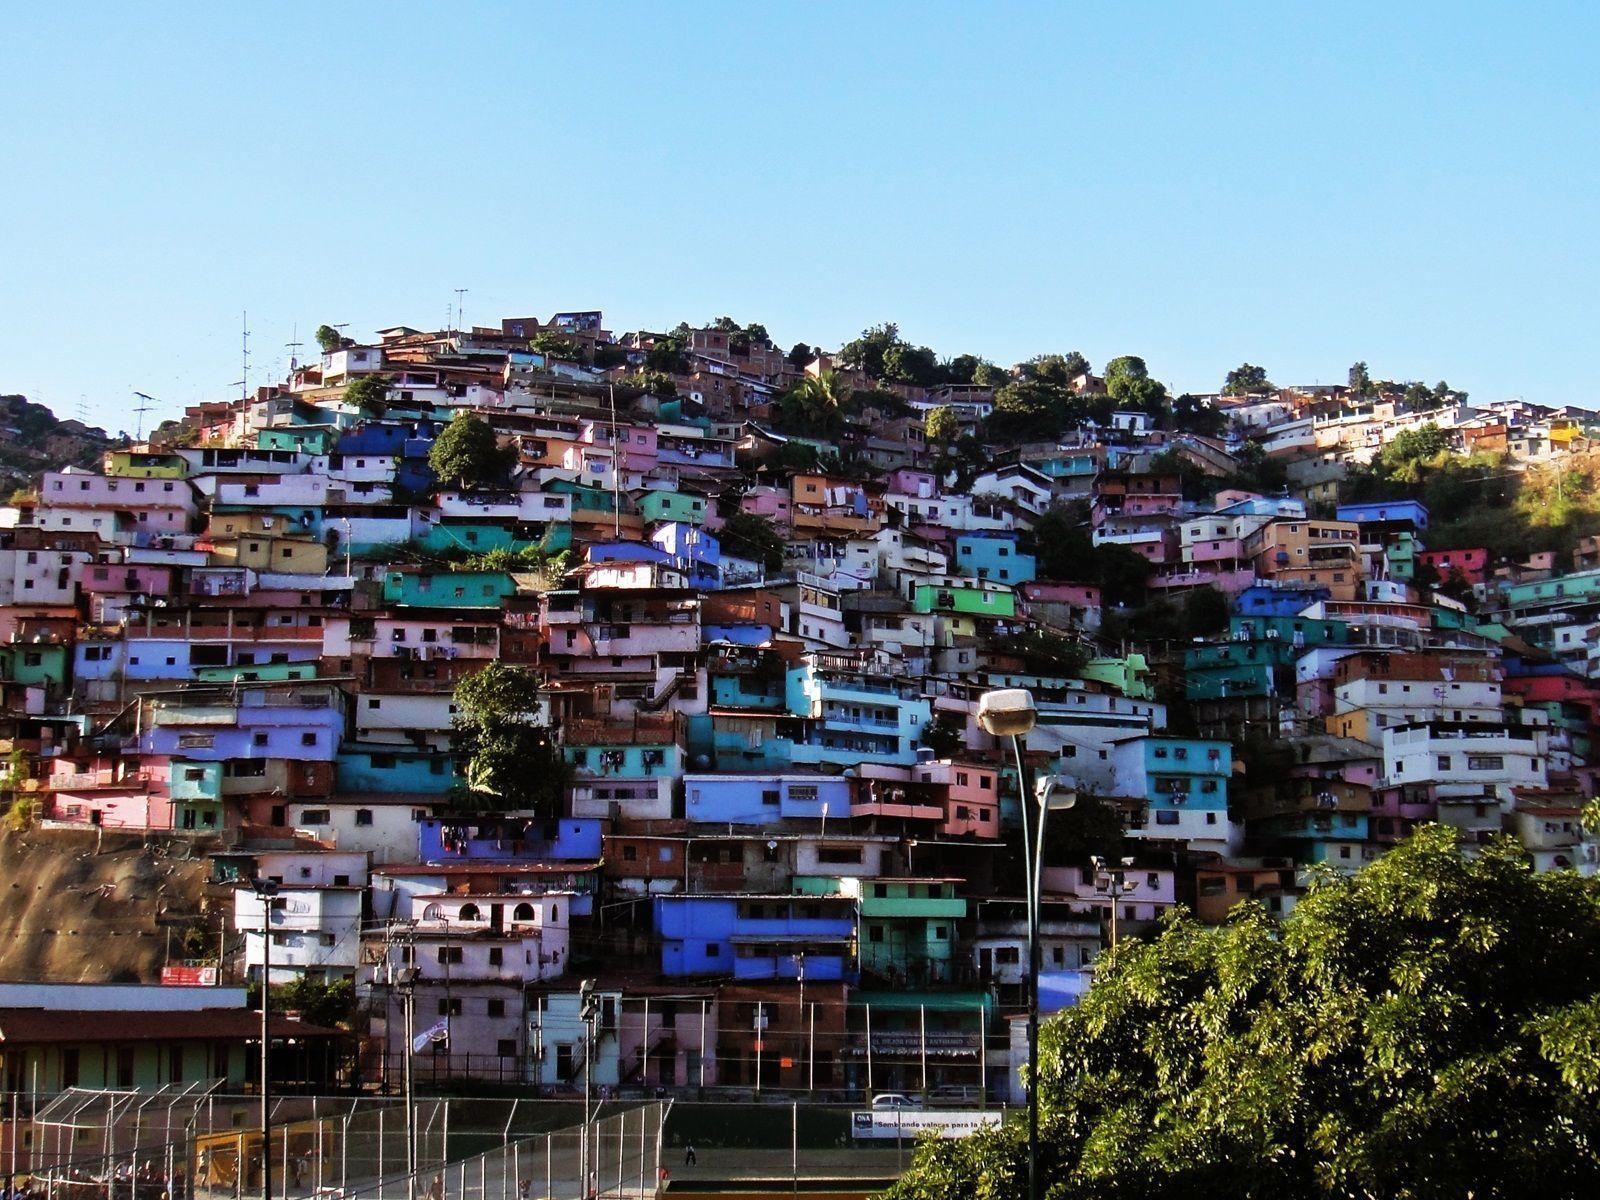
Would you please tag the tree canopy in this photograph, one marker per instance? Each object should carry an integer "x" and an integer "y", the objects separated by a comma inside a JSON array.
[
  {"x": 329, "y": 338},
  {"x": 467, "y": 453},
  {"x": 1429, "y": 1027},
  {"x": 941, "y": 425},
  {"x": 1246, "y": 380},
  {"x": 369, "y": 394},
  {"x": 749, "y": 535},
  {"x": 509, "y": 759}
]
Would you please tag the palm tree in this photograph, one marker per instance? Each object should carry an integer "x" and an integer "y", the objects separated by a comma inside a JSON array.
[{"x": 815, "y": 406}]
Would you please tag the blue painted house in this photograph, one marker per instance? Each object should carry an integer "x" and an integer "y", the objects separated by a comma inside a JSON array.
[
  {"x": 762, "y": 798},
  {"x": 508, "y": 839},
  {"x": 992, "y": 556},
  {"x": 391, "y": 768},
  {"x": 757, "y": 937},
  {"x": 1261, "y": 600},
  {"x": 693, "y": 550}
]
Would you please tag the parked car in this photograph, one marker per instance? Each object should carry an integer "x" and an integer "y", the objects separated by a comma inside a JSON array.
[
  {"x": 894, "y": 1100},
  {"x": 955, "y": 1095}
]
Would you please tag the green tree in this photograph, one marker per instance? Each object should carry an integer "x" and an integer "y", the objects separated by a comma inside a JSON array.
[
  {"x": 866, "y": 352},
  {"x": 369, "y": 394},
  {"x": 944, "y": 735},
  {"x": 749, "y": 535},
  {"x": 800, "y": 356},
  {"x": 329, "y": 338},
  {"x": 1427, "y": 1028},
  {"x": 1190, "y": 414},
  {"x": 1205, "y": 612},
  {"x": 669, "y": 354},
  {"x": 814, "y": 407},
  {"x": 555, "y": 345},
  {"x": 1059, "y": 370},
  {"x": 1246, "y": 380},
  {"x": 941, "y": 425},
  {"x": 509, "y": 759},
  {"x": 467, "y": 453},
  {"x": 1360, "y": 379},
  {"x": 917, "y": 365}
]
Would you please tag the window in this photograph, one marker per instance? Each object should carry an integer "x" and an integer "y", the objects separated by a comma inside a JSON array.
[
  {"x": 1444, "y": 762},
  {"x": 363, "y": 816},
  {"x": 449, "y": 1006},
  {"x": 449, "y": 954},
  {"x": 505, "y": 1047},
  {"x": 314, "y": 816},
  {"x": 259, "y": 739},
  {"x": 713, "y": 950},
  {"x": 497, "y": 957},
  {"x": 875, "y": 933},
  {"x": 1486, "y": 762},
  {"x": 629, "y": 853},
  {"x": 1166, "y": 816},
  {"x": 308, "y": 739}
]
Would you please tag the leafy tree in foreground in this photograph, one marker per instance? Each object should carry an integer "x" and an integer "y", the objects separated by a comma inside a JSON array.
[
  {"x": 329, "y": 338},
  {"x": 468, "y": 453},
  {"x": 1427, "y": 1028},
  {"x": 509, "y": 759}
]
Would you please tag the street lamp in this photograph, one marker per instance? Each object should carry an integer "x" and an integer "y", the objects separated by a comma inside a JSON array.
[
  {"x": 266, "y": 891},
  {"x": 406, "y": 980},
  {"x": 1010, "y": 712},
  {"x": 1113, "y": 882}
]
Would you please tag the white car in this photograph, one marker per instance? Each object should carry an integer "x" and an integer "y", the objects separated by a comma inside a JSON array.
[{"x": 893, "y": 1100}]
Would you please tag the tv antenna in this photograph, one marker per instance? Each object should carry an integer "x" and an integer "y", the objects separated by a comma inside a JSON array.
[
  {"x": 293, "y": 346},
  {"x": 146, "y": 403},
  {"x": 460, "y": 292},
  {"x": 244, "y": 354}
]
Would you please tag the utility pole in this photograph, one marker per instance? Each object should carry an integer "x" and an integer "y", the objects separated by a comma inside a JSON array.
[
  {"x": 148, "y": 402},
  {"x": 266, "y": 891},
  {"x": 1114, "y": 883}
]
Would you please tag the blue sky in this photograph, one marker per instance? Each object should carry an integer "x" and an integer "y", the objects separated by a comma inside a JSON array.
[{"x": 1299, "y": 186}]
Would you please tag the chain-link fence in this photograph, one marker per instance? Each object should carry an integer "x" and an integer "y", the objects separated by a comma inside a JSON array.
[{"x": 119, "y": 1146}]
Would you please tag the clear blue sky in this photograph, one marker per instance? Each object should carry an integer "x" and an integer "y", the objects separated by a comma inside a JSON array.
[{"x": 1296, "y": 185}]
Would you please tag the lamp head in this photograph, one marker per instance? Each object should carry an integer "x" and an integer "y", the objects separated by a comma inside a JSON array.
[
  {"x": 1007, "y": 712},
  {"x": 1054, "y": 793}
]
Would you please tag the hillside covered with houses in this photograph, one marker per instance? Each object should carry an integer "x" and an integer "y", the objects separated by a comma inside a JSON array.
[{"x": 533, "y": 654}]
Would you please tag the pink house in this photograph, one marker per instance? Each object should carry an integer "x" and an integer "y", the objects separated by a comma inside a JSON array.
[
  {"x": 770, "y": 502},
  {"x": 1472, "y": 564},
  {"x": 109, "y": 794},
  {"x": 972, "y": 807}
]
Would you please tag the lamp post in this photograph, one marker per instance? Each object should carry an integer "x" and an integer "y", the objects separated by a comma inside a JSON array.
[
  {"x": 1010, "y": 712},
  {"x": 1113, "y": 882},
  {"x": 406, "y": 980},
  {"x": 266, "y": 891},
  {"x": 588, "y": 1009}
]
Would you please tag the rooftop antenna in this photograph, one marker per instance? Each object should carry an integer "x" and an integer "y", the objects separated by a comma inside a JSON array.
[
  {"x": 244, "y": 354},
  {"x": 460, "y": 308},
  {"x": 83, "y": 409},
  {"x": 293, "y": 346},
  {"x": 147, "y": 403}
]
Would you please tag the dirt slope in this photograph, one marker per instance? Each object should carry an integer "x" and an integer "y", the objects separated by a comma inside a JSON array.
[{"x": 72, "y": 914}]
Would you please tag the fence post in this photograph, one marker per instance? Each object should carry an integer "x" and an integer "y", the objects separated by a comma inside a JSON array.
[{"x": 549, "y": 1188}]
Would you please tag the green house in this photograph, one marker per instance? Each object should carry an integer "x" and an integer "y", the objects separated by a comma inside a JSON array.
[
  {"x": 908, "y": 928},
  {"x": 453, "y": 589},
  {"x": 129, "y": 464},
  {"x": 657, "y": 507},
  {"x": 965, "y": 597},
  {"x": 196, "y": 791},
  {"x": 42, "y": 663}
]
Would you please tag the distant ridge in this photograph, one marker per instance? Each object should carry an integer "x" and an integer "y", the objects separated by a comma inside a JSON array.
[{"x": 34, "y": 439}]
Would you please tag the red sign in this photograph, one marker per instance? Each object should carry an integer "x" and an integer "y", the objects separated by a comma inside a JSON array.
[{"x": 189, "y": 976}]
